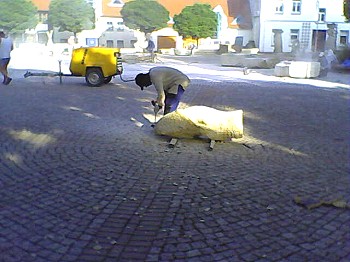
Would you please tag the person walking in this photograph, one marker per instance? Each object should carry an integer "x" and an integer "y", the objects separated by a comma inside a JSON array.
[
  {"x": 6, "y": 46},
  {"x": 150, "y": 49},
  {"x": 169, "y": 83}
]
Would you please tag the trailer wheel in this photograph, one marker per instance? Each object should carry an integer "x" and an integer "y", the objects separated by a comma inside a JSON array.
[
  {"x": 94, "y": 77},
  {"x": 107, "y": 79}
]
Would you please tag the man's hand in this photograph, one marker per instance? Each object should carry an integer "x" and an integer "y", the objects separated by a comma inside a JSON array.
[{"x": 156, "y": 107}]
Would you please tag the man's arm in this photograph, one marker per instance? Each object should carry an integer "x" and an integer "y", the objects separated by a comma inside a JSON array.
[
  {"x": 158, "y": 84},
  {"x": 157, "y": 81}
]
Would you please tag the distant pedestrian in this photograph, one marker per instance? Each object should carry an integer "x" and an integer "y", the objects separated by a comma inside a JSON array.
[
  {"x": 150, "y": 49},
  {"x": 327, "y": 60},
  {"x": 6, "y": 46},
  {"x": 170, "y": 85},
  {"x": 324, "y": 65}
]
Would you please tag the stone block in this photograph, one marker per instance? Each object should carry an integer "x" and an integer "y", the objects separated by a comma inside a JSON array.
[
  {"x": 250, "y": 61},
  {"x": 297, "y": 69},
  {"x": 250, "y": 51},
  {"x": 282, "y": 69},
  {"x": 201, "y": 121},
  {"x": 302, "y": 69}
]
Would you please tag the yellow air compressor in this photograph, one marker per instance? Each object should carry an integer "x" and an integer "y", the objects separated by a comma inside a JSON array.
[{"x": 97, "y": 64}]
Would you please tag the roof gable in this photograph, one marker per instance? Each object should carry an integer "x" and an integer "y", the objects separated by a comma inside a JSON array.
[{"x": 42, "y": 5}]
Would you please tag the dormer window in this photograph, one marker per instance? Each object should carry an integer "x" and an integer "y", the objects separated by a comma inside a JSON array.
[
  {"x": 296, "y": 8},
  {"x": 279, "y": 7},
  {"x": 116, "y": 3}
]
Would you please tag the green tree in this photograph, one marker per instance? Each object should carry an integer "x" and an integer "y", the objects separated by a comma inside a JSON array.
[
  {"x": 71, "y": 15},
  {"x": 196, "y": 21},
  {"x": 17, "y": 16},
  {"x": 346, "y": 10},
  {"x": 145, "y": 15}
]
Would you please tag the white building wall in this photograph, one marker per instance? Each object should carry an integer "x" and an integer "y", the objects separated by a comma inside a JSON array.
[
  {"x": 334, "y": 10},
  {"x": 102, "y": 23},
  {"x": 306, "y": 21},
  {"x": 227, "y": 35},
  {"x": 255, "y": 9}
]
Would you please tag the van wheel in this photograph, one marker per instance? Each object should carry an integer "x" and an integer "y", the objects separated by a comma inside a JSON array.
[
  {"x": 94, "y": 77},
  {"x": 107, "y": 79}
]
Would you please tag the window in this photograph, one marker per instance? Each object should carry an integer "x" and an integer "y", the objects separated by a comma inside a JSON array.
[
  {"x": 43, "y": 17},
  {"x": 322, "y": 14},
  {"x": 296, "y": 8},
  {"x": 120, "y": 26},
  {"x": 344, "y": 37},
  {"x": 279, "y": 7},
  {"x": 294, "y": 34},
  {"x": 110, "y": 43},
  {"x": 120, "y": 43},
  {"x": 239, "y": 41},
  {"x": 110, "y": 26}
]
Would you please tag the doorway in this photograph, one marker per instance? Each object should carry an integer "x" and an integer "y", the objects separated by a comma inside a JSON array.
[
  {"x": 318, "y": 40},
  {"x": 166, "y": 42}
]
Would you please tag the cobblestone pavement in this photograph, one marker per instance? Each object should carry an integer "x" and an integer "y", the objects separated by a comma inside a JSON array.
[{"x": 84, "y": 178}]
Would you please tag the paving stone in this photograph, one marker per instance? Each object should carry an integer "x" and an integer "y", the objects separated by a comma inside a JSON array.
[{"x": 103, "y": 189}]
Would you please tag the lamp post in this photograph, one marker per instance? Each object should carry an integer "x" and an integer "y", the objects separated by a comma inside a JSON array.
[{"x": 317, "y": 19}]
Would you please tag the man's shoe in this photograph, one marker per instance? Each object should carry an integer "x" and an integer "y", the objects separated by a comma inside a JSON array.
[{"x": 8, "y": 80}]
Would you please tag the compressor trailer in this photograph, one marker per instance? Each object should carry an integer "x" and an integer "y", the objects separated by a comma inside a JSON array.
[{"x": 97, "y": 64}]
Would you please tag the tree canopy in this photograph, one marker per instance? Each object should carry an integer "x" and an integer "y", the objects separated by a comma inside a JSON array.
[
  {"x": 346, "y": 9},
  {"x": 196, "y": 21},
  {"x": 71, "y": 15},
  {"x": 145, "y": 15},
  {"x": 17, "y": 16}
]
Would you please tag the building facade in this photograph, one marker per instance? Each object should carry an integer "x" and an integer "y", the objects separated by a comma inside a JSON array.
[
  {"x": 109, "y": 20},
  {"x": 272, "y": 25},
  {"x": 300, "y": 25}
]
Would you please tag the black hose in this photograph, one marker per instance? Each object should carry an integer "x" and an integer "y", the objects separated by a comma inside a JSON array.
[{"x": 130, "y": 80}]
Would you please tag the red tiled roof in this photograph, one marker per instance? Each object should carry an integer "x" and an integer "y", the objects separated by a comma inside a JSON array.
[
  {"x": 240, "y": 9},
  {"x": 174, "y": 7},
  {"x": 111, "y": 11},
  {"x": 232, "y": 8},
  {"x": 42, "y": 5}
]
